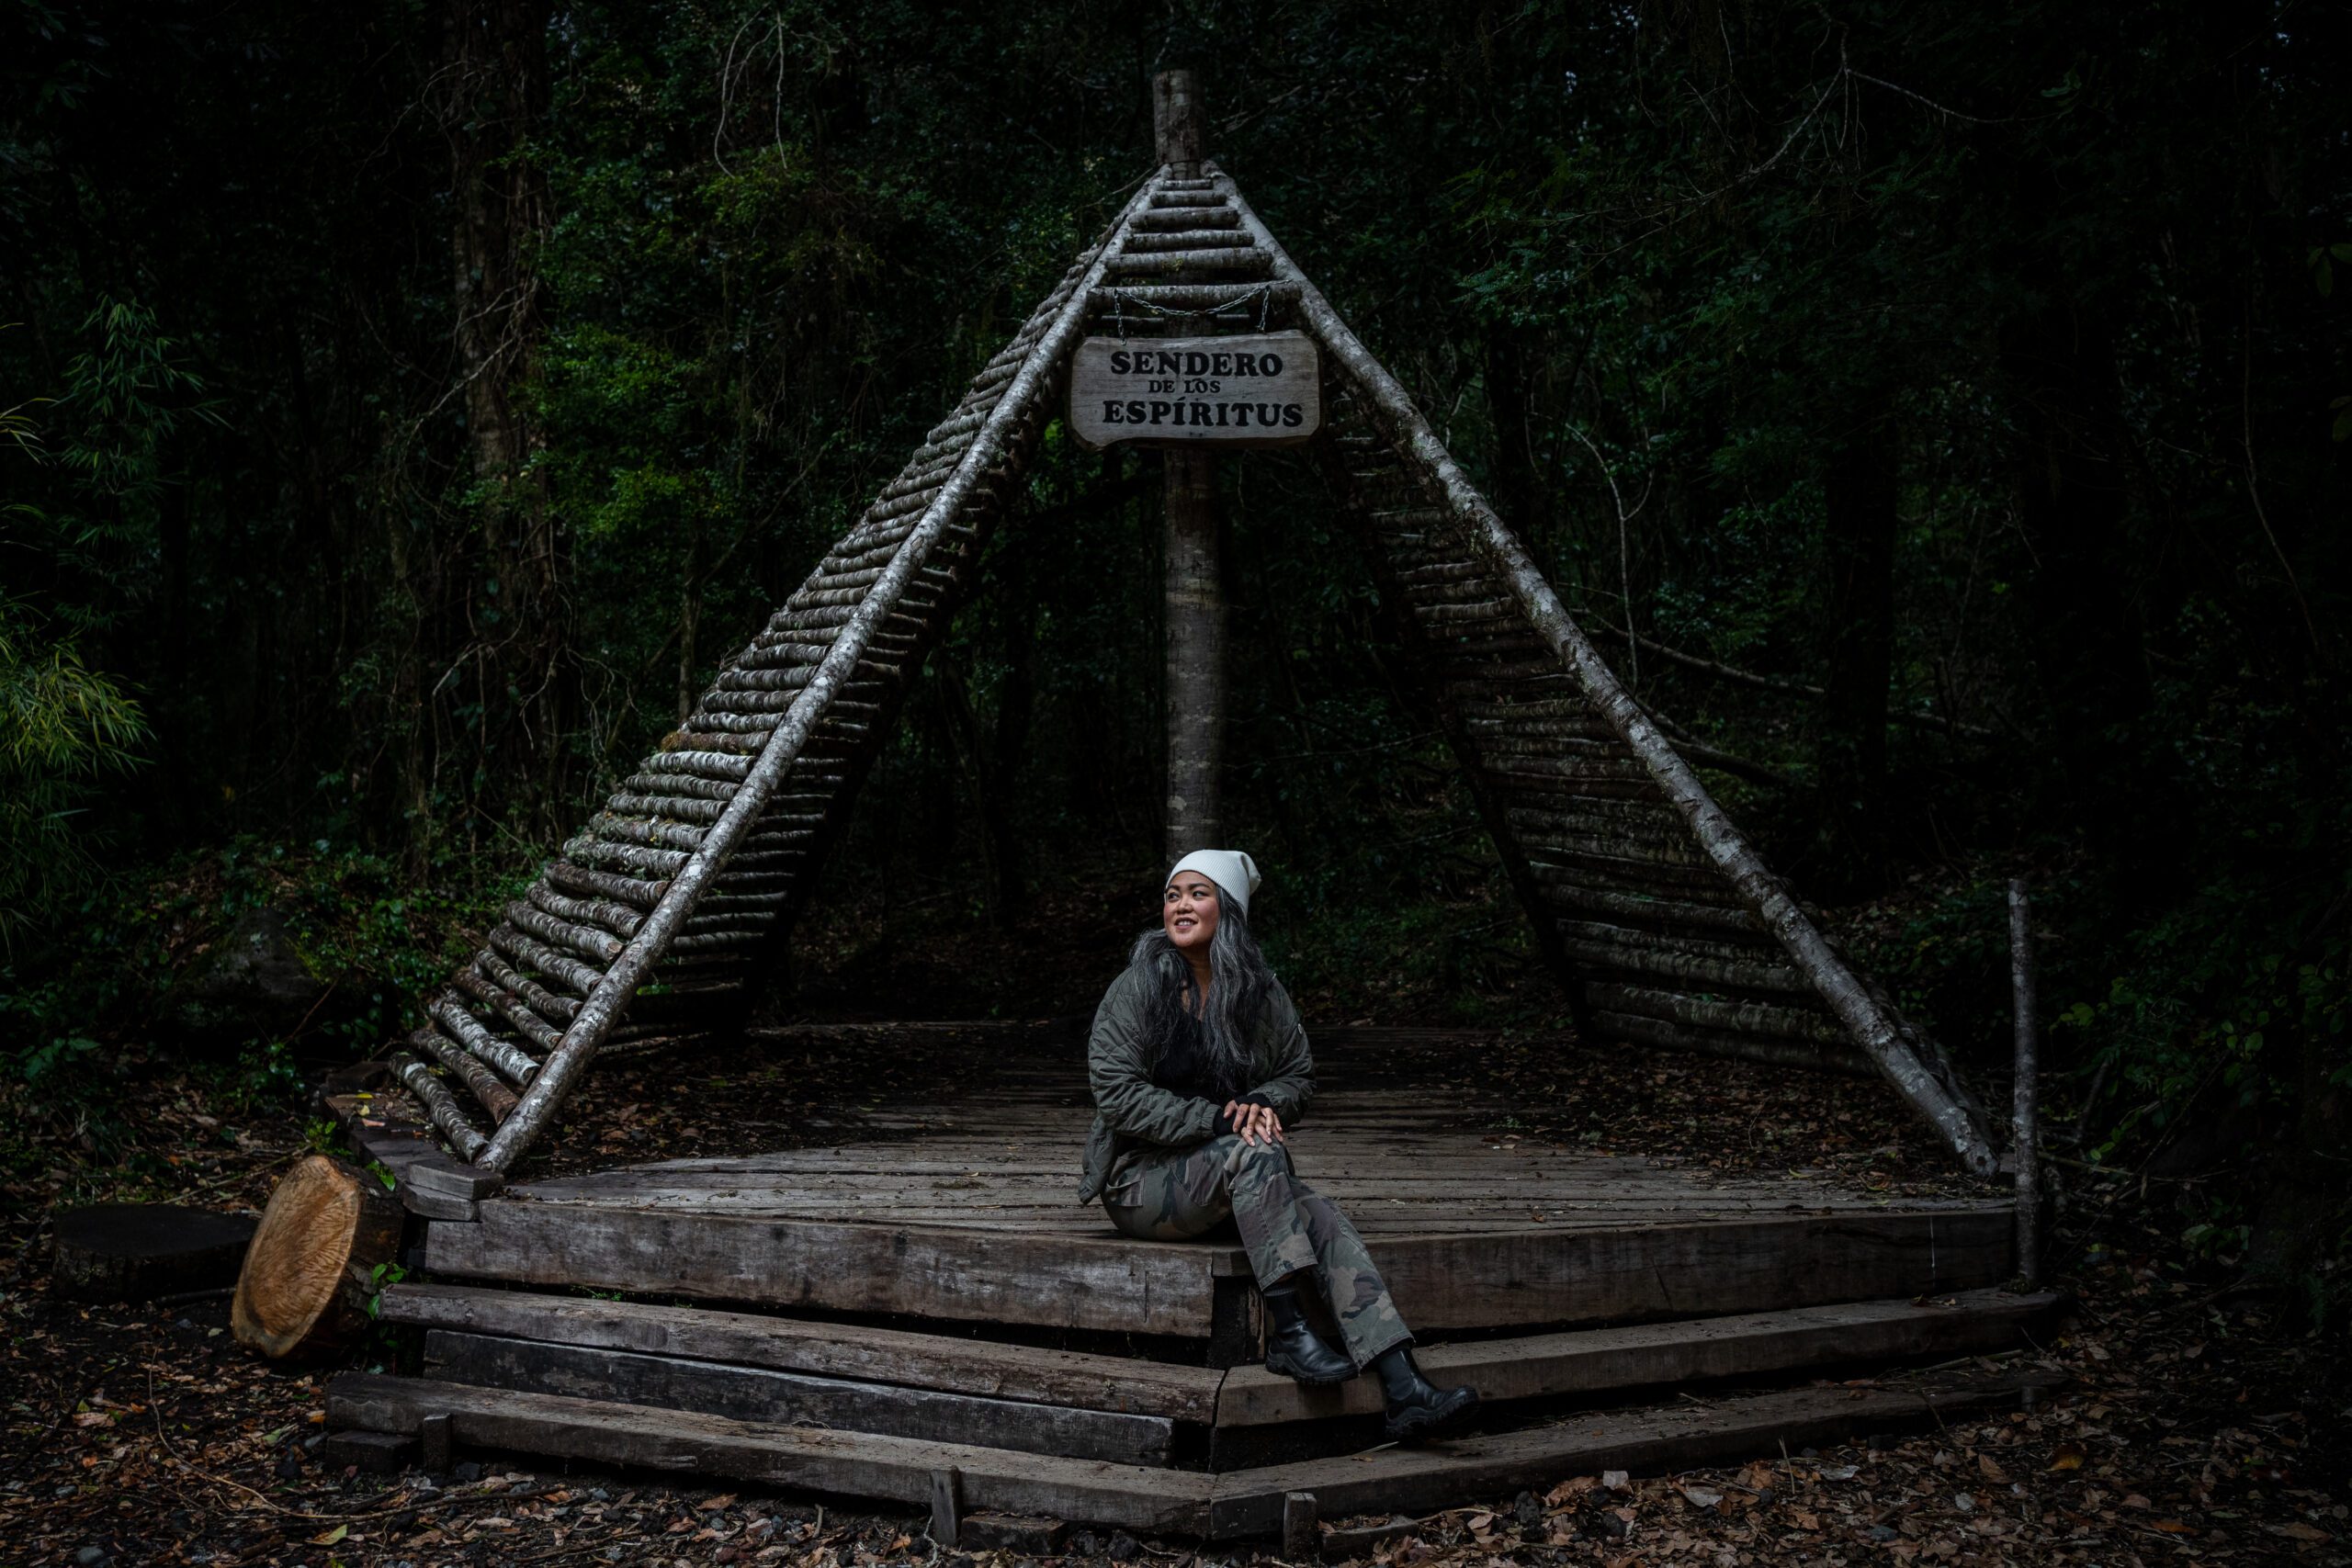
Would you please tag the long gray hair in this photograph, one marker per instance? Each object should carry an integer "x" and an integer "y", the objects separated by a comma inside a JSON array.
[{"x": 1239, "y": 982}]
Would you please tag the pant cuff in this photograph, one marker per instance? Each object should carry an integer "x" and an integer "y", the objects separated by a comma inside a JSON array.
[{"x": 1367, "y": 1360}]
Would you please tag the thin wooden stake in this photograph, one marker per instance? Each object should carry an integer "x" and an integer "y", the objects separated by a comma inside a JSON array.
[
  {"x": 2025, "y": 1100},
  {"x": 946, "y": 1505},
  {"x": 1301, "y": 1540}
]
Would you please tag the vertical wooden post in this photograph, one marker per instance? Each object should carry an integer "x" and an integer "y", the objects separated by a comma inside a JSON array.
[
  {"x": 1196, "y": 694},
  {"x": 1196, "y": 600},
  {"x": 946, "y": 1505},
  {"x": 1302, "y": 1541},
  {"x": 436, "y": 1446},
  {"x": 2025, "y": 1100},
  {"x": 1177, "y": 125}
]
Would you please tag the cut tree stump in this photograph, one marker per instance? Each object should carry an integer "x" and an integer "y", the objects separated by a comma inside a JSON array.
[
  {"x": 311, "y": 1268},
  {"x": 134, "y": 1252}
]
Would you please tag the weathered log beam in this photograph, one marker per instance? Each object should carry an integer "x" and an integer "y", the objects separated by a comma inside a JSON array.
[
  {"x": 440, "y": 1105},
  {"x": 510, "y": 1007},
  {"x": 517, "y": 1065},
  {"x": 1666, "y": 959},
  {"x": 601, "y": 946},
  {"x": 538, "y": 997},
  {"x": 630, "y": 890},
  {"x": 1712, "y": 1013},
  {"x": 1134, "y": 303},
  {"x": 1143, "y": 241},
  {"x": 1196, "y": 215},
  {"x": 538, "y": 955},
  {"x": 1926, "y": 1079},
  {"x": 617, "y": 918},
  {"x": 1189, "y": 264},
  {"x": 491, "y": 1095},
  {"x": 1818, "y": 1058},
  {"x": 779, "y": 751}
]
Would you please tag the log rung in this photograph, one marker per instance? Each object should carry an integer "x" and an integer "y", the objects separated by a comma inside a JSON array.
[
  {"x": 440, "y": 1105},
  {"x": 517, "y": 1065},
  {"x": 542, "y": 1002},
  {"x": 517, "y": 1012},
  {"x": 630, "y": 890},
  {"x": 618, "y": 919}
]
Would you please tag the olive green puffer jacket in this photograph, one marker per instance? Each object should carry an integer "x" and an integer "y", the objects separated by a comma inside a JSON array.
[{"x": 1131, "y": 1111}]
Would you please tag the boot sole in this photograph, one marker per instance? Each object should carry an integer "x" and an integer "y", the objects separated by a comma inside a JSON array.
[
  {"x": 1429, "y": 1429},
  {"x": 1282, "y": 1369}
]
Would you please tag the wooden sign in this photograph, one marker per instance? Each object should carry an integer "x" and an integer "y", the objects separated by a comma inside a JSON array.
[{"x": 1265, "y": 390}]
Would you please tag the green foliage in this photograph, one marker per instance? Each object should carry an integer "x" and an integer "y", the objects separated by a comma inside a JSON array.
[
  {"x": 62, "y": 725},
  {"x": 324, "y": 1137},
  {"x": 101, "y": 975}
]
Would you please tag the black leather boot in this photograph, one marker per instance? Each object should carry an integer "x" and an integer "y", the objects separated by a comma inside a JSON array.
[
  {"x": 1295, "y": 1350},
  {"x": 1417, "y": 1409}
]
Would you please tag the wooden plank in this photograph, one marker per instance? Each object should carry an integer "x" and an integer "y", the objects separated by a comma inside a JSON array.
[
  {"x": 1250, "y": 1502},
  {"x": 1238, "y": 1504},
  {"x": 1018, "y": 1373},
  {"x": 750, "y": 1393},
  {"x": 1072, "y": 1282},
  {"x": 1398, "y": 1174},
  {"x": 1640, "y": 1355},
  {"x": 1136, "y": 1497},
  {"x": 1547, "y": 1275},
  {"x": 1418, "y": 1214}
]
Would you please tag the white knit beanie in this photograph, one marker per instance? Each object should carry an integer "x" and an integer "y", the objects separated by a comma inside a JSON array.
[{"x": 1233, "y": 871}]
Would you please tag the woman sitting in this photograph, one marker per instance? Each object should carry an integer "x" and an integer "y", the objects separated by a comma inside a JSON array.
[{"x": 1197, "y": 1063}]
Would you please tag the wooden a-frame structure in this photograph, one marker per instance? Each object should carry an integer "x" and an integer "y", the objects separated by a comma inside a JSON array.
[{"x": 660, "y": 918}]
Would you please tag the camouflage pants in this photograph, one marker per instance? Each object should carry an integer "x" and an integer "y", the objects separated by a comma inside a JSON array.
[{"x": 1177, "y": 1194}]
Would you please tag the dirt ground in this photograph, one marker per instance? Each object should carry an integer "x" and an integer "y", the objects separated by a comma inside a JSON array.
[{"x": 2202, "y": 1424}]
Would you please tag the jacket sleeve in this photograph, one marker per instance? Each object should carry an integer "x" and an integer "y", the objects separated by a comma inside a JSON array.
[
  {"x": 1286, "y": 1060},
  {"x": 1118, "y": 1070}
]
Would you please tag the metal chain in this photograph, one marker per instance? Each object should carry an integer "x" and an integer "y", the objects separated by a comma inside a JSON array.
[{"x": 1119, "y": 298}]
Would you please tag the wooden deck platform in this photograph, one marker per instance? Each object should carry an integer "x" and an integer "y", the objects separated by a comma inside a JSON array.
[
  {"x": 966, "y": 1210},
  {"x": 926, "y": 1293}
]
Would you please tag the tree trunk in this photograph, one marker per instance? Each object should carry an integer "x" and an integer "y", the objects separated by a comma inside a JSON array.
[
  {"x": 1195, "y": 592},
  {"x": 2072, "y": 498},
  {"x": 1516, "y": 482},
  {"x": 1195, "y": 657},
  {"x": 490, "y": 96},
  {"x": 689, "y": 616},
  {"x": 1015, "y": 700},
  {"x": 311, "y": 1268},
  {"x": 1860, "y": 539}
]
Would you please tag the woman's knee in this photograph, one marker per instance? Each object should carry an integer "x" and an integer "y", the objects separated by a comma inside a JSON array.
[
  {"x": 1165, "y": 1216},
  {"x": 1258, "y": 1161}
]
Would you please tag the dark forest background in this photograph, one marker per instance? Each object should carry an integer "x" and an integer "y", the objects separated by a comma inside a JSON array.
[{"x": 1940, "y": 409}]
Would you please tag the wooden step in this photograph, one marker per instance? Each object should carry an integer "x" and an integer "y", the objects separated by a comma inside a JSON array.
[
  {"x": 1070, "y": 1270},
  {"x": 1239, "y": 1504},
  {"x": 1598, "y": 1360},
  {"x": 1247, "y": 1503},
  {"x": 856, "y": 1464},
  {"x": 757, "y": 1393},
  {"x": 986, "y": 1368},
  {"x": 861, "y": 1377}
]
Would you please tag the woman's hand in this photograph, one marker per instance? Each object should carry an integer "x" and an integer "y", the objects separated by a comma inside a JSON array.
[{"x": 1254, "y": 1122}]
